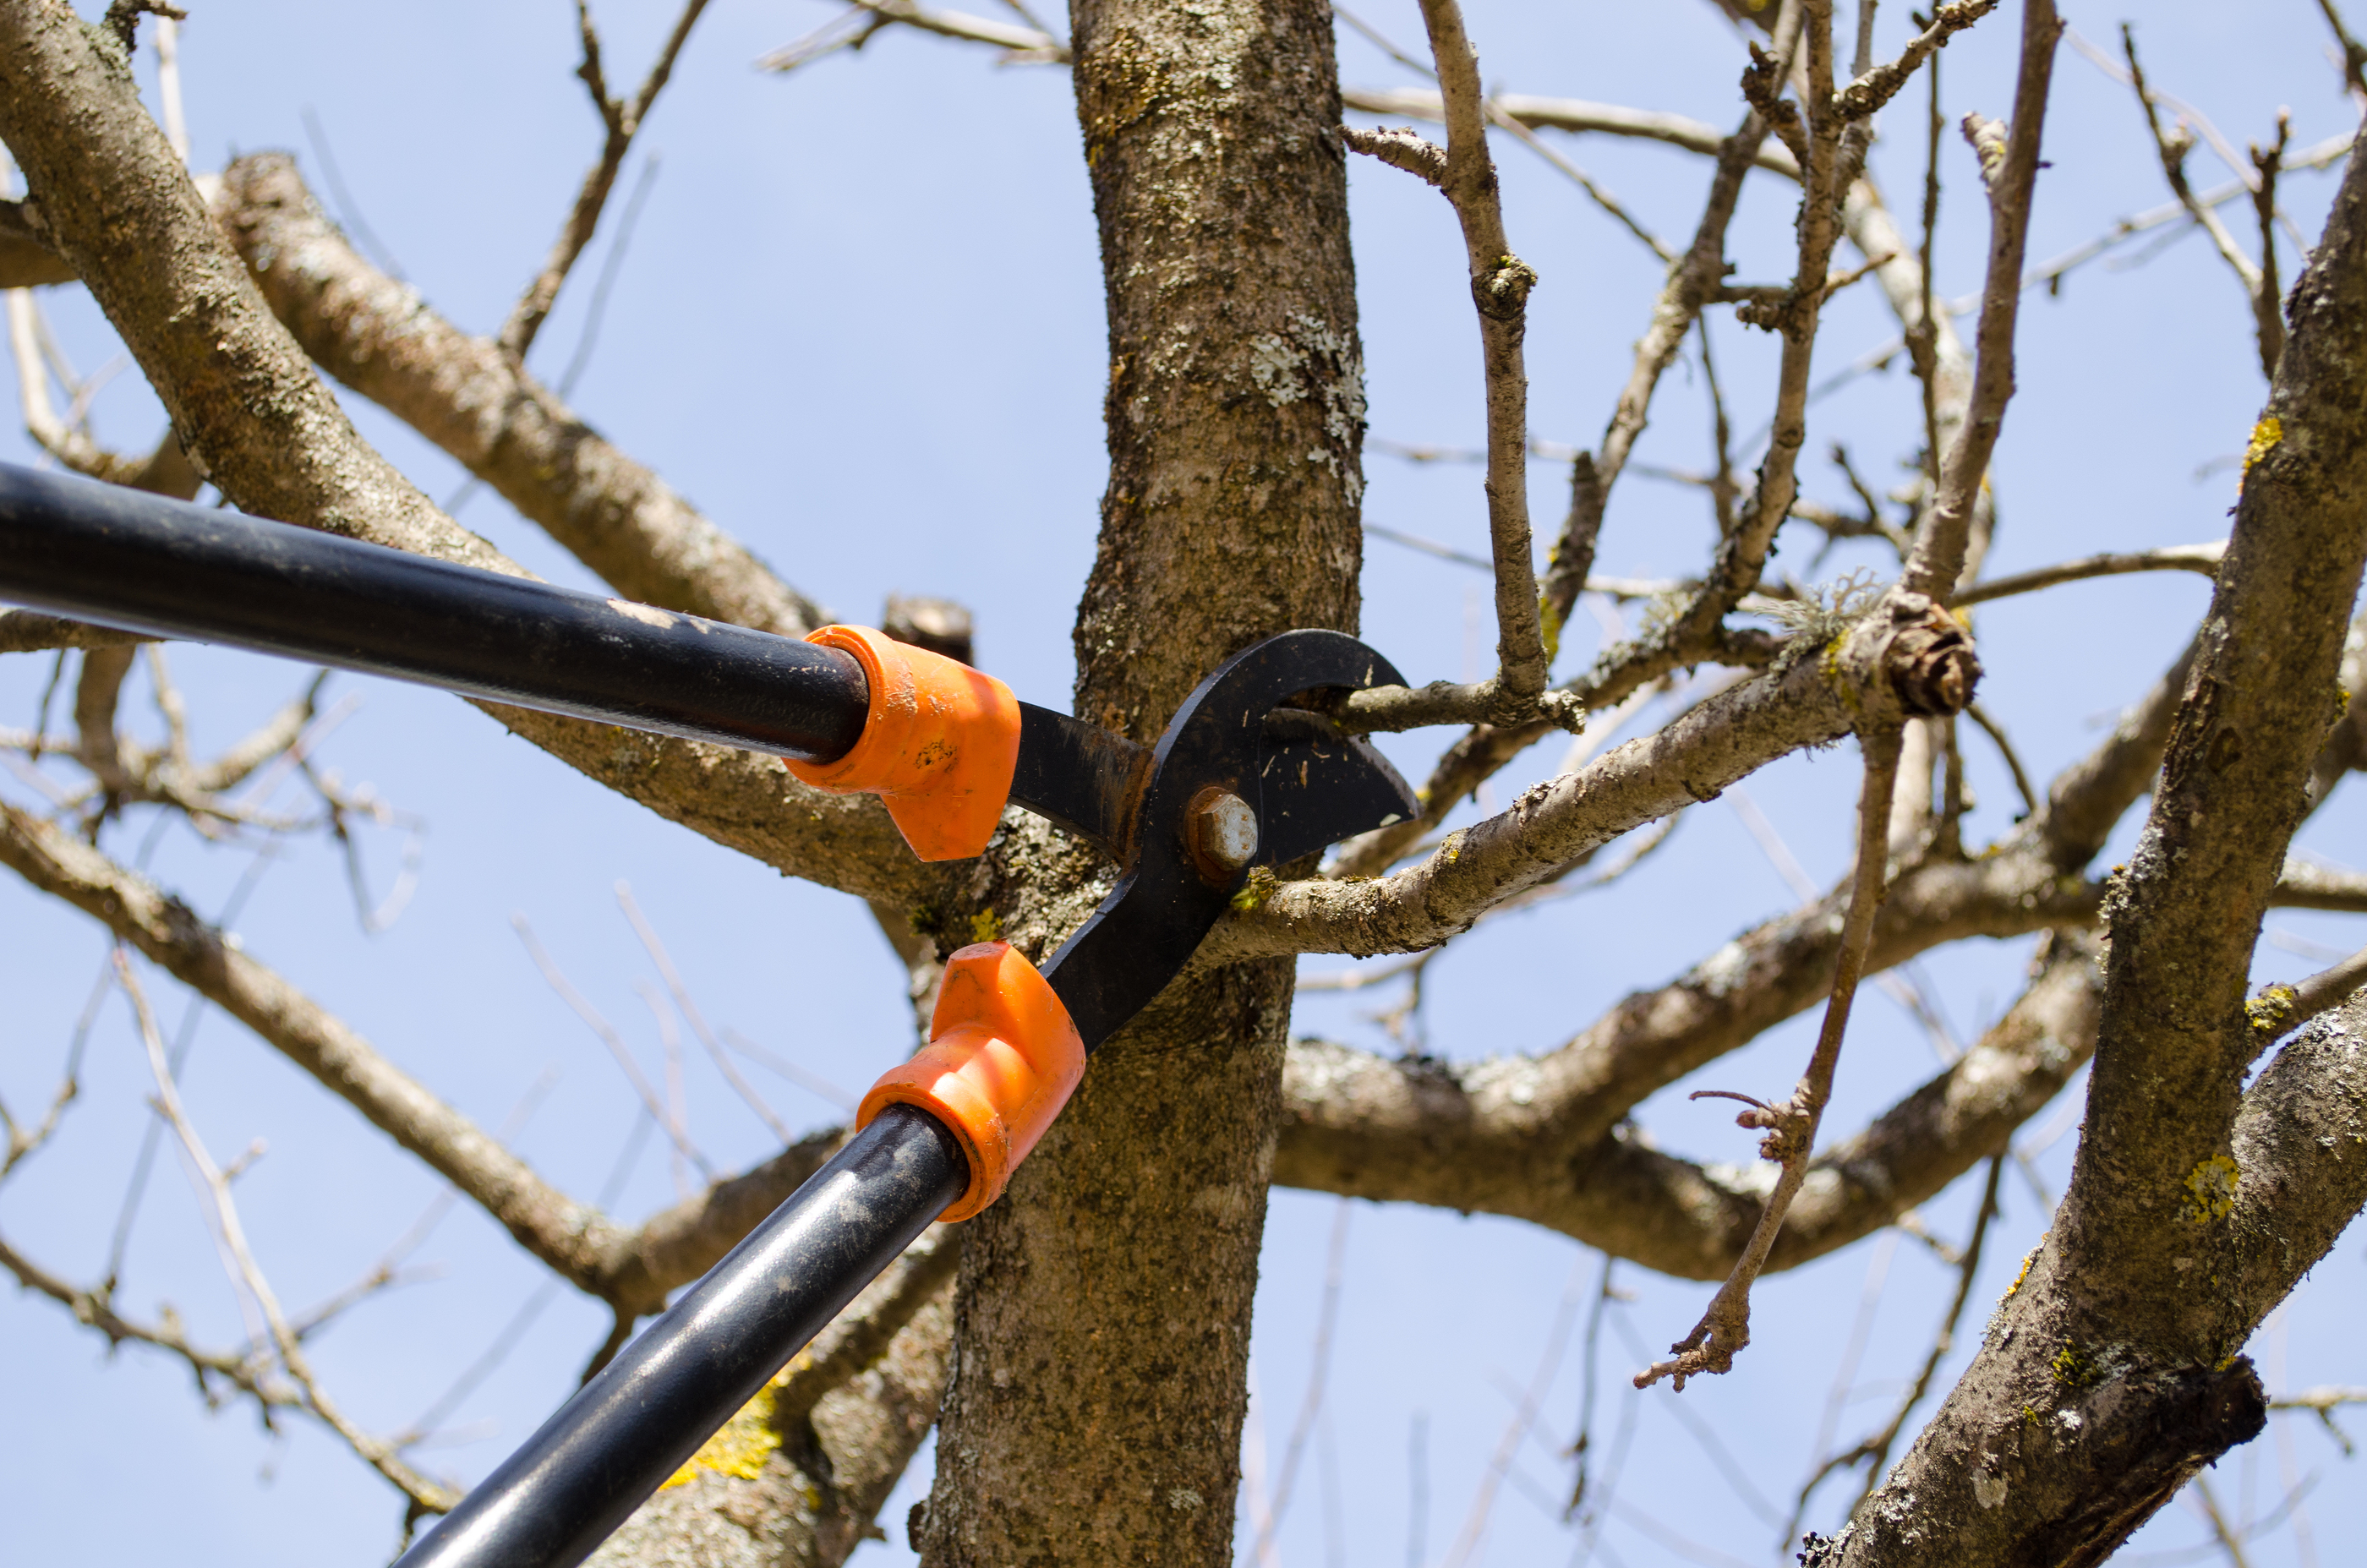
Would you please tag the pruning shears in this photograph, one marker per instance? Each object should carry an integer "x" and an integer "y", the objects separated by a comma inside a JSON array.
[{"x": 1249, "y": 774}]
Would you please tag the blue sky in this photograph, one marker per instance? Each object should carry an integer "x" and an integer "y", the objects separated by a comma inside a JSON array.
[{"x": 860, "y": 324}]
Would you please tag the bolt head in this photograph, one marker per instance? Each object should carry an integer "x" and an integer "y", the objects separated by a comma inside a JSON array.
[{"x": 1224, "y": 831}]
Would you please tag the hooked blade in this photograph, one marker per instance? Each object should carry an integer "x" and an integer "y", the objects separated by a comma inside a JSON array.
[{"x": 1315, "y": 786}]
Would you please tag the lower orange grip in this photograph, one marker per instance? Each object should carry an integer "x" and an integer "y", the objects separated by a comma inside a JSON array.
[{"x": 1002, "y": 1060}]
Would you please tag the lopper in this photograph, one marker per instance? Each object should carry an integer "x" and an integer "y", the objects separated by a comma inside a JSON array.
[{"x": 1248, "y": 773}]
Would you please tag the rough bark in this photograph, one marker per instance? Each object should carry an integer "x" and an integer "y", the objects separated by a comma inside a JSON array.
[
  {"x": 1103, "y": 1310},
  {"x": 2113, "y": 1371}
]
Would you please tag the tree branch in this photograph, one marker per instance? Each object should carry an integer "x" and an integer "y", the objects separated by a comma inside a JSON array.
[
  {"x": 1790, "y": 1126},
  {"x": 620, "y": 121},
  {"x": 2009, "y": 164},
  {"x": 2203, "y": 559},
  {"x": 1906, "y": 650},
  {"x": 1879, "y": 86},
  {"x": 1500, "y": 282}
]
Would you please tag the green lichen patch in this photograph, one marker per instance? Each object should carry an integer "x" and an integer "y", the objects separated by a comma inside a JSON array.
[
  {"x": 2073, "y": 1368},
  {"x": 1256, "y": 890}
]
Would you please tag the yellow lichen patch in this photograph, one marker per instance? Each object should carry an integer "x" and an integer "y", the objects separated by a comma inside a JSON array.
[
  {"x": 1256, "y": 890},
  {"x": 986, "y": 926},
  {"x": 1549, "y": 624},
  {"x": 2271, "y": 1010},
  {"x": 2018, "y": 1279},
  {"x": 2071, "y": 1369},
  {"x": 1452, "y": 848},
  {"x": 742, "y": 1445},
  {"x": 2265, "y": 436},
  {"x": 2211, "y": 1189}
]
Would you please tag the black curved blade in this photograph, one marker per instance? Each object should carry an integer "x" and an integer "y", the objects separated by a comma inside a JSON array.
[
  {"x": 1317, "y": 791},
  {"x": 1309, "y": 785}
]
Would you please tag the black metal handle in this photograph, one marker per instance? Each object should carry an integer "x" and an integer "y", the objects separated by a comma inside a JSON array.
[
  {"x": 119, "y": 557},
  {"x": 571, "y": 1483}
]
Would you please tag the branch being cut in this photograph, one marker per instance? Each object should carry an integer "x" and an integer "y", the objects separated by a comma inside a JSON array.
[
  {"x": 621, "y": 120},
  {"x": 1907, "y": 651},
  {"x": 1423, "y": 159}
]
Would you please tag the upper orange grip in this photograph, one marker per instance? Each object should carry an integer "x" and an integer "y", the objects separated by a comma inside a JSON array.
[
  {"x": 939, "y": 745},
  {"x": 1002, "y": 1060}
]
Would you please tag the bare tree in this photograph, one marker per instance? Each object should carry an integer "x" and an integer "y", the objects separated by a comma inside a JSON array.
[{"x": 1082, "y": 1347}]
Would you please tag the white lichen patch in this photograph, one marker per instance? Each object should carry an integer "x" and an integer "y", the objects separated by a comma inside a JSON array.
[
  {"x": 1312, "y": 359},
  {"x": 1988, "y": 1490}
]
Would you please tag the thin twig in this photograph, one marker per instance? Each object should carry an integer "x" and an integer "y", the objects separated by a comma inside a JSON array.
[
  {"x": 689, "y": 1008},
  {"x": 1873, "y": 1452},
  {"x": 620, "y": 121},
  {"x": 1878, "y": 86},
  {"x": 1319, "y": 1367},
  {"x": 600, "y": 1026},
  {"x": 2354, "y": 53},
  {"x": 2173, "y": 146},
  {"x": 215, "y": 1184},
  {"x": 1500, "y": 282},
  {"x": 1996, "y": 732},
  {"x": 1524, "y": 1415},
  {"x": 1791, "y": 1127},
  {"x": 2230, "y": 1540},
  {"x": 2203, "y": 559},
  {"x": 2268, "y": 302},
  {"x": 2009, "y": 163}
]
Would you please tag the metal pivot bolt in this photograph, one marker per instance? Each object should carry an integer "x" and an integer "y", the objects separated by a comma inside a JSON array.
[{"x": 1224, "y": 834}]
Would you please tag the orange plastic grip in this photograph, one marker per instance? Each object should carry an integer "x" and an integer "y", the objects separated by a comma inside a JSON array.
[
  {"x": 1002, "y": 1060},
  {"x": 939, "y": 745}
]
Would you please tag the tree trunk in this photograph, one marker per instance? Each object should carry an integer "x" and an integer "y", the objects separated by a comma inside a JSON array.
[{"x": 1104, "y": 1307}]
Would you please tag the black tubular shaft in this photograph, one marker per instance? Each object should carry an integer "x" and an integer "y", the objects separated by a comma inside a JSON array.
[
  {"x": 119, "y": 557},
  {"x": 571, "y": 1483}
]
